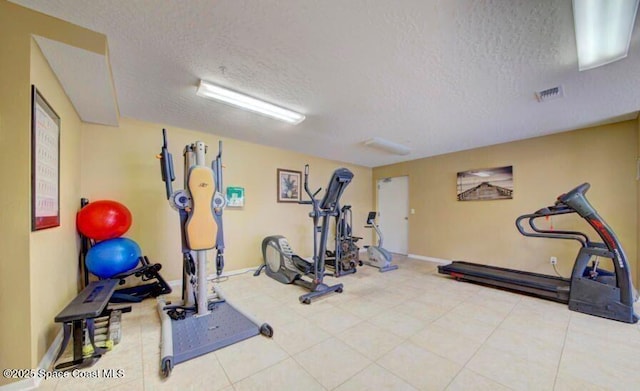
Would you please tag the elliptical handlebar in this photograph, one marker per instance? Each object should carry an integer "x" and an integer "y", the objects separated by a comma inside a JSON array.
[
  {"x": 306, "y": 181},
  {"x": 313, "y": 201},
  {"x": 216, "y": 166},
  {"x": 315, "y": 215},
  {"x": 166, "y": 165}
]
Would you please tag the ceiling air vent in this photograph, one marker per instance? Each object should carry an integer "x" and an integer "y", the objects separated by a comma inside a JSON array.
[{"x": 550, "y": 94}]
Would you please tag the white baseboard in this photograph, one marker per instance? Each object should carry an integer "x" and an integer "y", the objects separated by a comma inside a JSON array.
[
  {"x": 430, "y": 259},
  {"x": 22, "y": 385},
  {"x": 50, "y": 356},
  {"x": 27, "y": 384},
  {"x": 45, "y": 364}
]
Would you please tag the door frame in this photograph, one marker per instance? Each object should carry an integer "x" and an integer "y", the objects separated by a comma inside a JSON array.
[{"x": 378, "y": 208}]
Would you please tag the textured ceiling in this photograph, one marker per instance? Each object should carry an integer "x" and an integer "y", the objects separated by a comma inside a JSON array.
[{"x": 438, "y": 76}]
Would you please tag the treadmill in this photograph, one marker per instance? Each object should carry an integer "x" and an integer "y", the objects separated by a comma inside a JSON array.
[{"x": 591, "y": 290}]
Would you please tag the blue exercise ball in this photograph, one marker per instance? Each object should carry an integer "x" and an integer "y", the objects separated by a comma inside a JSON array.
[{"x": 113, "y": 256}]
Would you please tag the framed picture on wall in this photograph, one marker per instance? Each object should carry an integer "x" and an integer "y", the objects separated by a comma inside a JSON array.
[
  {"x": 485, "y": 184},
  {"x": 289, "y": 185},
  {"x": 45, "y": 163},
  {"x": 235, "y": 197}
]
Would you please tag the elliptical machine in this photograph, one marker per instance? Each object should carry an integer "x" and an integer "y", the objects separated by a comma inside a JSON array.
[
  {"x": 281, "y": 264},
  {"x": 376, "y": 255},
  {"x": 345, "y": 257}
]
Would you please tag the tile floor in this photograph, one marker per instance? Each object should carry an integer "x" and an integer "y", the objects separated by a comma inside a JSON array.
[{"x": 409, "y": 329}]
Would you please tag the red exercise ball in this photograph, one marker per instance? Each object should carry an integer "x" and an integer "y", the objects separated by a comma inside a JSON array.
[{"x": 102, "y": 220}]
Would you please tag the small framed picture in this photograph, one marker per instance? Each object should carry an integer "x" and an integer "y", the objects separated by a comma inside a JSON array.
[
  {"x": 289, "y": 185},
  {"x": 235, "y": 197}
]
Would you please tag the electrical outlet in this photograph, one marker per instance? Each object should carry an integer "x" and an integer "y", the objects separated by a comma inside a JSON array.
[{"x": 553, "y": 260}]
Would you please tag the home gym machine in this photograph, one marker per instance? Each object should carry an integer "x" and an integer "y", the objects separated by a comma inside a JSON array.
[
  {"x": 590, "y": 290},
  {"x": 376, "y": 255},
  {"x": 199, "y": 324},
  {"x": 281, "y": 264},
  {"x": 345, "y": 257}
]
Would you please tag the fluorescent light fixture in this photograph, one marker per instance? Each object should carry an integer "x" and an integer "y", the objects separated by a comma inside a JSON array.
[
  {"x": 603, "y": 30},
  {"x": 387, "y": 146},
  {"x": 212, "y": 91},
  {"x": 481, "y": 174}
]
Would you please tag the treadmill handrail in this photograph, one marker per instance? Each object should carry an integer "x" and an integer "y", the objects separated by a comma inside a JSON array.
[
  {"x": 566, "y": 235},
  {"x": 587, "y": 241}
]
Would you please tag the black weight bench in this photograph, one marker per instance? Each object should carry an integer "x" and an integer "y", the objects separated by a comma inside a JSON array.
[{"x": 79, "y": 315}]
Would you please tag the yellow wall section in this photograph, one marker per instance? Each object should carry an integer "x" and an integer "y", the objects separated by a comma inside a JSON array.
[
  {"x": 543, "y": 168},
  {"x": 120, "y": 164},
  {"x": 15, "y": 349},
  {"x": 54, "y": 252},
  {"x": 21, "y": 334}
]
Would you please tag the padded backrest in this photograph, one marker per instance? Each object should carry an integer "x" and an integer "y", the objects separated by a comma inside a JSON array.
[{"x": 201, "y": 228}]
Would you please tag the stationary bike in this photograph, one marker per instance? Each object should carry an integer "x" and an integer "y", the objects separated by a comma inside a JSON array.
[
  {"x": 281, "y": 264},
  {"x": 376, "y": 255}
]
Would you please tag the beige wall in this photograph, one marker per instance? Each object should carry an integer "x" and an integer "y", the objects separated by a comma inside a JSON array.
[
  {"x": 14, "y": 214},
  {"x": 54, "y": 252},
  {"x": 120, "y": 164},
  {"x": 23, "y": 334},
  {"x": 543, "y": 168}
]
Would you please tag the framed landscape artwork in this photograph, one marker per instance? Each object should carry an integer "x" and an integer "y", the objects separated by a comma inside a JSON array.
[{"x": 485, "y": 184}]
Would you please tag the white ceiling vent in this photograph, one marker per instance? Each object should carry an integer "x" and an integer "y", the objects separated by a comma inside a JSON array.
[{"x": 550, "y": 94}]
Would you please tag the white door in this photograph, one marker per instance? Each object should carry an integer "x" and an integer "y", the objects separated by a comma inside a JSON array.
[{"x": 393, "y": 209}]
